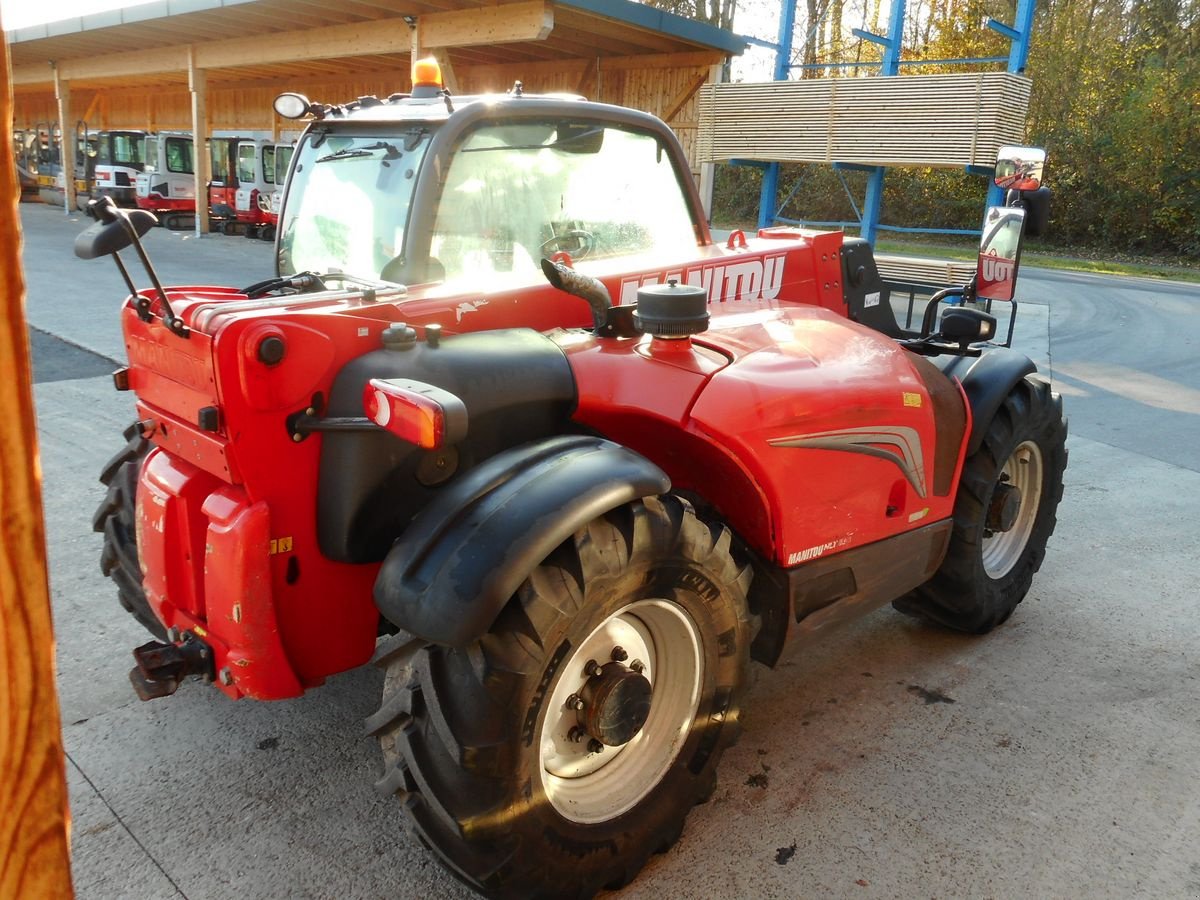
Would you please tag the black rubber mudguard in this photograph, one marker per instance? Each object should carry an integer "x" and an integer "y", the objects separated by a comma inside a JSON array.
[
  {"x": 987, "y": 380},
  {"x": 466, "y": 553}
]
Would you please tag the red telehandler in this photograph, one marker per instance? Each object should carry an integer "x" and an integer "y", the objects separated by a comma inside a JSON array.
[{"x": 510, "y": 424}]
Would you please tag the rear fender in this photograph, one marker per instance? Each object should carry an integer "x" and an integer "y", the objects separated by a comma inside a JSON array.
[
  {"x": 465, "y": 554},
  {"x": 986, "y": 381}
]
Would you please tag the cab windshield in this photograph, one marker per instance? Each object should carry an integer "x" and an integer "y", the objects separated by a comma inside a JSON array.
[
  {"x": 348, "y": 202},
  {"x": 517, "y": 192}
]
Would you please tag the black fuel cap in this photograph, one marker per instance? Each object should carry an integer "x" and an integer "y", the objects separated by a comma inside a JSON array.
[{"x": 672, "y": 310}]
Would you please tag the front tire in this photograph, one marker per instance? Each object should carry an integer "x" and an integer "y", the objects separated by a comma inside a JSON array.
[
  {"x": 555, "y": 754},
  {"x": 1004, "y": 515}
]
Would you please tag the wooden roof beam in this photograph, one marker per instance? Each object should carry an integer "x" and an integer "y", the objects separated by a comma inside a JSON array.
[{"x": 508, "y": 23}]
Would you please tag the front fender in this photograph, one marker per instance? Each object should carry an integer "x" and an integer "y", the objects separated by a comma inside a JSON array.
[
  {"x": 986, "y": 380},
  {"x": 465, "y": 554}
]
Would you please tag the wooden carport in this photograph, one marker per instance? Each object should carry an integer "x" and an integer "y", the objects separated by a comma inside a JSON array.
[{"x": 219, "y": 64}]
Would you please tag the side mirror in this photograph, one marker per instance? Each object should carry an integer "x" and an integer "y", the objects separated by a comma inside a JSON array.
[
  {"x": 1020, "y": 168},
  {"x": 1037, "y": 212},
  {"x": 966, "y": 326},
  {"x": 111, "y": 232},
  {"x": 999, "y": 253}
]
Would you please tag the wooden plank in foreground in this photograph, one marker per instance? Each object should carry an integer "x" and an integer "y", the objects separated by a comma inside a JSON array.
[{"x": 34, "y": 854}]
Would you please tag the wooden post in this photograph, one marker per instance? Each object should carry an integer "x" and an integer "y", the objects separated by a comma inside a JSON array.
[
  {"x": 62, "y": 93},
  {"x": 418, "y": 50},
  {"x": 708, "y": 172},
  {"x": 202, "y": 161},
  {"x": 34, "y": 855}
]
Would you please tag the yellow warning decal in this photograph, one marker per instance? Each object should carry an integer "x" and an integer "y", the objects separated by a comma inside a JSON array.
[
  {"x": 912, "y": 399},
  {"x": 281, "y": 545}
]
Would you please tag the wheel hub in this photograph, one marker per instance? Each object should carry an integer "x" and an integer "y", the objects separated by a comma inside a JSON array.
[
  {"x": 616, "y": 703},
  {"x": 1004, "y": 508},
  {"x": 649, "y": 647},
  {"x": 1012, "y": 512}
]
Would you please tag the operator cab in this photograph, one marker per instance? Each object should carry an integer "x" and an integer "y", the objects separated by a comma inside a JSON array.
[{"x": 513, "y": 179}]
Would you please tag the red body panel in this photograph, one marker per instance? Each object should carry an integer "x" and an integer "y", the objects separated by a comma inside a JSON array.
[
  {"x": 222, "y": 195},
  {"x": 157, "y": 203},
  {"x": 783, "y": 376},
  {"x": 248, "y": 208},
  {"x": 771, "y": 366}
]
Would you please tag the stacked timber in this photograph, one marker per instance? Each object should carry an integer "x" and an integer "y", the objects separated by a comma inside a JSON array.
[
  {"x": 924, "y": 271},
  {"x": 946, "y": 121}
]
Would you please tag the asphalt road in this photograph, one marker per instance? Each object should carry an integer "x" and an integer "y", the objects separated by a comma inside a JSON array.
[
  {"x": 1126, "y": 355},
  {"x": 1053, "y": 758}
]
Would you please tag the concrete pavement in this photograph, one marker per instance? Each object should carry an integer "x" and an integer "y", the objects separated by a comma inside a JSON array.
[{"x": 1053, "y": 758}]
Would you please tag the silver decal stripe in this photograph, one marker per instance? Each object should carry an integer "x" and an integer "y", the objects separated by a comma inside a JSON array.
[{"x": 898, "y": 444}]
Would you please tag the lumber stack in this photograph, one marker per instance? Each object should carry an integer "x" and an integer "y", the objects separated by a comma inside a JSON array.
[{"x": 945, "y": 121}]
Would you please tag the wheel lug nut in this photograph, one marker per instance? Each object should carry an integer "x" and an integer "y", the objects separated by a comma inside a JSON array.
[
  {"x": 575, "y": 735},
  {"x": 575, "y": 702},
  {"x": 619, "y": 654},
  {"x": 594, "y": 746},
  {"x": 592, "y": 669},
  {"x": 638, "y": 666}
]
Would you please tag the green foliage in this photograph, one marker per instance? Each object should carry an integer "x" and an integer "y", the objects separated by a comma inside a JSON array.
[{"x": 1116, "y": 103}]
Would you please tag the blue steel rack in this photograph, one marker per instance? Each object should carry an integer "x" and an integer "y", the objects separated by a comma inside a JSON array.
[{"x": 868, "y": 219}]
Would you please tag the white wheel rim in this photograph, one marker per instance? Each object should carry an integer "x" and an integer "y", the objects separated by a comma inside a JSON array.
[
  {"x": 1003, "y": 549},
  {"x": 590, "y": 787}
]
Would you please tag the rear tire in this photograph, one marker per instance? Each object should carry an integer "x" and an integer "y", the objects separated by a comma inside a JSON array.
[
  {"x": 477, "y": 743},
  {"x": 116, "y": 519},
  {"x": 988, "y": 571}
]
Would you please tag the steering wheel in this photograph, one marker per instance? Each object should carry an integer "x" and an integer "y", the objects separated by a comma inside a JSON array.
[{"x": 577, "y": 243}]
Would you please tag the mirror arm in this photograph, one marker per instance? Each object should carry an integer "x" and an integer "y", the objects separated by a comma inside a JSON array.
[
  {"x": 128, "y": 281},
  {"x": 169, "y": 319},
  {"x": 106, "y": 211},
  {"x": 931, "y": 307},
  {"x": 932, "y": 346}
]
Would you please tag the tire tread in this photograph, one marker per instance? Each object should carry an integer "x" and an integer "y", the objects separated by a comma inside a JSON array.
[{"x": 446, "y": 751}]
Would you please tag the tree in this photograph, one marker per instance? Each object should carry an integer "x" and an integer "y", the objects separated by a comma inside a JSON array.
[{"x": 714, "y": 12}]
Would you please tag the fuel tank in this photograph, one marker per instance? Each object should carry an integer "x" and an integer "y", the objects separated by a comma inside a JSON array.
[{"x": 810, "y": 434}]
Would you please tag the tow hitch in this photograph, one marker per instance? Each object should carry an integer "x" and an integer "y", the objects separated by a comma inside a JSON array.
[{"x": 161, "y": 667}]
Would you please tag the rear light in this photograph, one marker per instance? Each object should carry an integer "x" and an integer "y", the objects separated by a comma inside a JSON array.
[{"x": 415, "y": 411}]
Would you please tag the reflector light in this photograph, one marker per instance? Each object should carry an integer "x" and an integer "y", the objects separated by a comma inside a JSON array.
[
  {"x": 414, "y": 411},
  {"x": 426, "y": 73}
]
